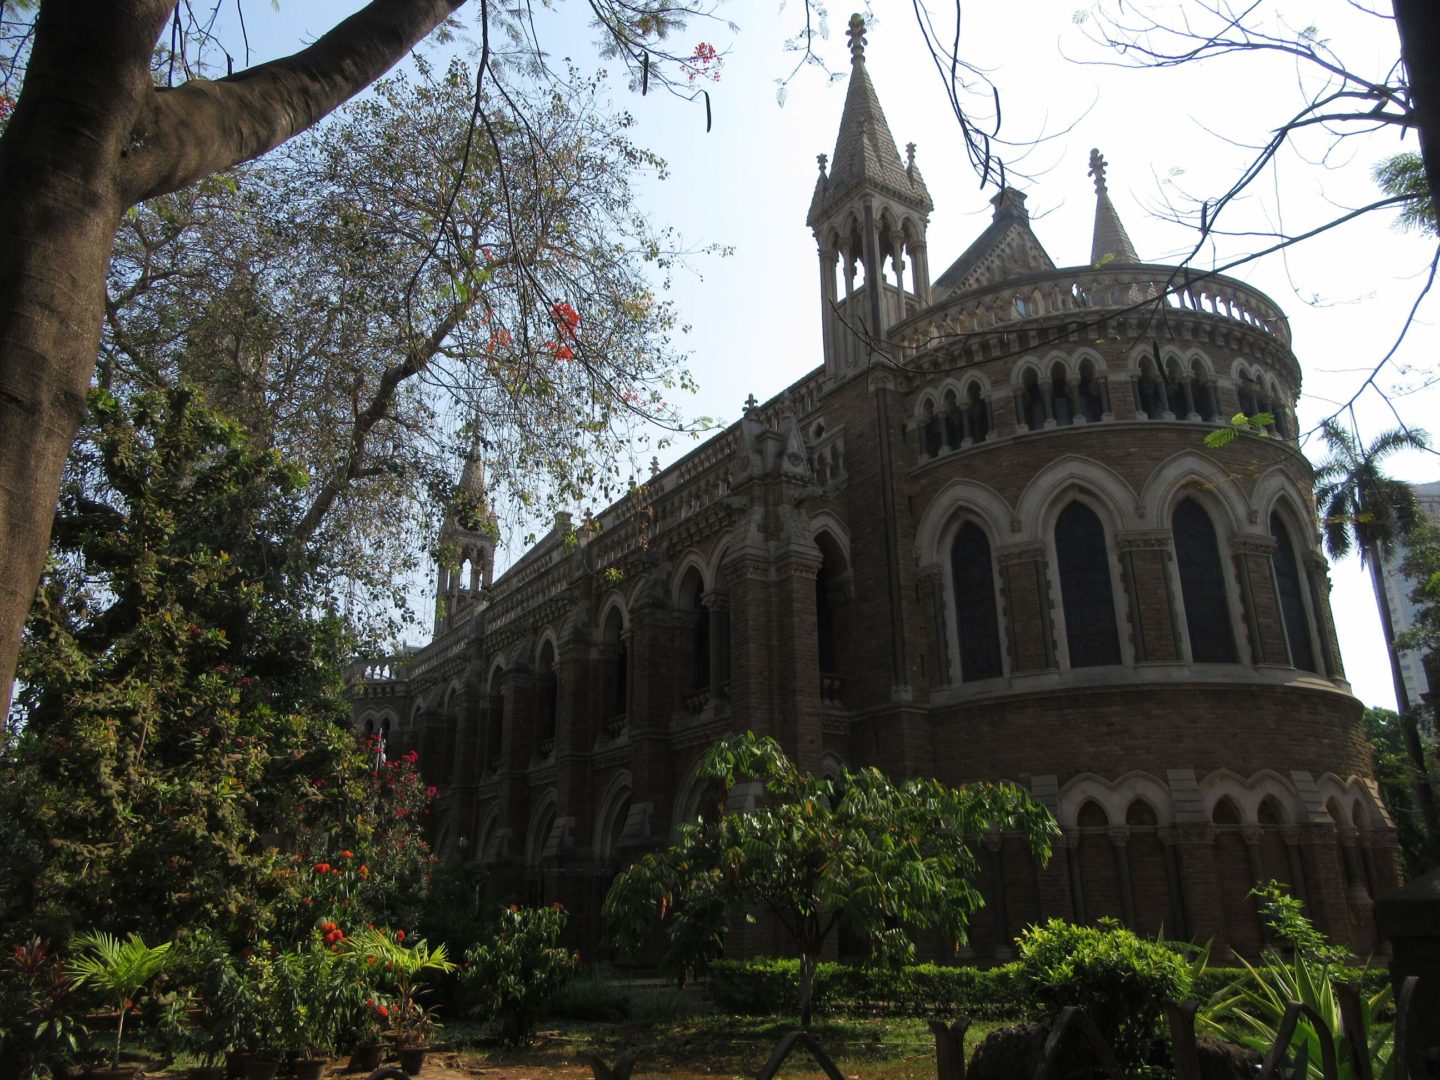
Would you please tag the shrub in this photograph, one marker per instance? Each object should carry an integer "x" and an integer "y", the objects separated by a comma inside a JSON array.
[
  {"x": 513, "y": 977},
  {"x": 595, "y": 998},
  {"x": 1121, "y": 980},
  {"x": 764, "y": 986}
]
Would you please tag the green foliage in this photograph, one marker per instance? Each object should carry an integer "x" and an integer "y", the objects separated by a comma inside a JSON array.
[
  {"x": 117, "y": 972},
  {"x": 1360, "y": 506},
  {"x": 402, "y": 969},
  {"x": 1241, "y": 424},
  {"x": 888, "y": 858},
  {"x": 769, "y": 986},
  {"x": 512, "y": 977},
  {"x": 316, "y": 995},
  {"x": 1250, "y": 1011},
  {"x": 593, "y": 996},
  {"x": 1122, "y": 981},
  {"x": 1397, "y": 784},
  {"x": 182, "y": 706},
  {"x": 40, "y": 1028},
  {"x": 1404, "y": 174}
]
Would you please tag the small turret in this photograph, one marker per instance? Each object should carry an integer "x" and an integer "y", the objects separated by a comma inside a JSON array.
[
  {"x": 467, "y": 542},
  {"x": 870, "y": 210},
  {"x": 1111, "y": 243}
]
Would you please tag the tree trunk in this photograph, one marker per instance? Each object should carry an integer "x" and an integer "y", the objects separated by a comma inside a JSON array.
[
  {"x": 808, "y": 964},
  {"x": 1409, "y": 725},
  {"x": 1418, "y": 24},
  {"x": 90, "y": 137}
]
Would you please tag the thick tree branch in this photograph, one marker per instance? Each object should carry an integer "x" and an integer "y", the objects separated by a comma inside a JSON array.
[{"x": 203, "y": 127}]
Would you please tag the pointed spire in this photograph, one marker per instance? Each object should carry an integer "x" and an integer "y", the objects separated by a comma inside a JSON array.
[
  {"x": 1111, "y": 243},
  {"x": 472, "y": 476},
  {"x": 865, "y": 150}
]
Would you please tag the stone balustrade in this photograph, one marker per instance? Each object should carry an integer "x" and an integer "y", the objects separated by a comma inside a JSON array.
[{"x": 1079, "y": 290}]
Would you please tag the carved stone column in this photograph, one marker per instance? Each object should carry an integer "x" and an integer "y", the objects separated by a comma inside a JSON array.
[
  {"x": 1120, "y": 841},
  {"x": 1178, "y": 917},
  {"x": 1263, "y": 620},
  {"x": 1072, "y": 864},
  {"x": 1290, "y": 837},
  {"x": 1029, "y": 630},
  {"x": 932, "y": 589},
  {"x": 1317, "y": 576},
  {"x": 1195, "y": 845},
  {"x": 1143, "y": 558},
  {"x": 994, "y": 843}
]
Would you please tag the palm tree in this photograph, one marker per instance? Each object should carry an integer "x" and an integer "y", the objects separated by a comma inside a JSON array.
[
  {"x": 1368, "y": 512},
  {"x": 118, "y": 971}
]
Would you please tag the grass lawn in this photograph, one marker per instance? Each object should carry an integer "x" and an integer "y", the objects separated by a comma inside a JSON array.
[{"x": 714, "y": 1045}]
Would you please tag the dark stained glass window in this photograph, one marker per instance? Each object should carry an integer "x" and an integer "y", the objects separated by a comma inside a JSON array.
[
  {"x": 1290, "y": 586},
  {"x": 1085, "y": 590},
  {"x": 1202, "y": 585},
  {"x": 975, "y": 619}
]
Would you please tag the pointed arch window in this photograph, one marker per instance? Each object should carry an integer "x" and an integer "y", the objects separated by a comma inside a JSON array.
[
  {"x": 976, "y": 623},
  {"x": 1085, "y": 588},
  {"x": 1291, "y": 589},
  {"x": 1203, "y": 589}
]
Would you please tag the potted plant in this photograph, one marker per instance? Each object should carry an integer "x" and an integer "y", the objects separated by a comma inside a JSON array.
[
  {"x": 368, "y": 1024},
  {"x": 315, "y": 996},
  {"x": 412, "y": 1025},
  {"x": 247, "y": 1009},
  {"x": 198, "y": 1021},
  {"x": 120, "y": 972}
]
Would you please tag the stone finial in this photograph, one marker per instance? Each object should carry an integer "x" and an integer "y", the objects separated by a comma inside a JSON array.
[
  {"x": 751, "y": 404},
  {"x": 1097, "y": 170},
  {"x": 909, "y": 157},
  {"x": 654, "y": 466},
  {"x": 822, "y": 160},
  {"x": 856, "y": 34}
]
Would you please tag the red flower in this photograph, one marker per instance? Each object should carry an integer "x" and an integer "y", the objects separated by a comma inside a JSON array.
[
  {"x": 564, "y": 352},
  {"x": 399, "y": 935},
  {"x": 322, "y": 868},
  {"x": 326, "y": 927},
  {"x": 431, "y": 790},
  {"x": 347, "y": 854},
  {"x": 383, "y": 1011}
]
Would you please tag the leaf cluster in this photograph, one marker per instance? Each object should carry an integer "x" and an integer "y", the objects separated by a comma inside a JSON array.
[{"x": 885, "y": 857}]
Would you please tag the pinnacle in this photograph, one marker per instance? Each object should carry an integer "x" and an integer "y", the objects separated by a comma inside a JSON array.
[{"x": 1111, "y": 242}]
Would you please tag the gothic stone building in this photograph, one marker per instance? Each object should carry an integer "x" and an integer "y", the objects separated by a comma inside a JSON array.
[{"x": 983, "y": 541}]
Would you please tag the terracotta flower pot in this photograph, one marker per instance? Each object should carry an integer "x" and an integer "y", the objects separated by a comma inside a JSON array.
[
  {"x": 309, "y": 1068},
  {"x": 412, "y": 1058},
  {"x": 262, "y": 1068},
  {"x": 236, "y": 1062},
  {"x": 365, "y": 1058}
]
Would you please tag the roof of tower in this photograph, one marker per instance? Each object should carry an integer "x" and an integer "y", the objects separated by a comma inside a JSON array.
[
  {"x": 469, "y": 511},
  {"x": 1111, "y": 242},
  {"x": 1006, "y": 249},
  {"x": 865, "y": 152}
]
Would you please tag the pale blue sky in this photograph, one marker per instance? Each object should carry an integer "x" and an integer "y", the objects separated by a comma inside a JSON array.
[{"x": 755, "y": 315}]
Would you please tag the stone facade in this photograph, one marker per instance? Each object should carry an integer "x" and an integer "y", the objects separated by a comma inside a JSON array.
[{"x": 983, "y": 541}]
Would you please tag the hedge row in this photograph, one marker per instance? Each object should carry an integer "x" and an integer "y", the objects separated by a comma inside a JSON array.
[{"x": 768, "y": 986}]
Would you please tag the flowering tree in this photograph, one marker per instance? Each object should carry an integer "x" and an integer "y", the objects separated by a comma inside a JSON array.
[{"x": 887, "y": 858}]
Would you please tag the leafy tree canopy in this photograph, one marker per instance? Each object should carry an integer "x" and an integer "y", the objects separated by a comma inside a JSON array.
[
  {"x": 394, "y": 275},
  {"x": 183, "y": 758},
  {"x": 887, "y": 858}
]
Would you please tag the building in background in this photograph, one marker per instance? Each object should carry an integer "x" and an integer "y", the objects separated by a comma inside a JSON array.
[
  {"x": 982, "y": 540},
  {"x": 1403, "y": 610}
]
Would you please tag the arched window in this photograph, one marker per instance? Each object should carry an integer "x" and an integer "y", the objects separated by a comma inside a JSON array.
[
  {"x": 692, "y": 599},
  {"x": 1246, "y": 393},
  {"x": 1204, "y": 392},
  {"x": 1092, "y": 405},
  {"x": 547, "y": 703},
  {"x": 495, "y": 723},
  {"x": 975, "y": 621},
  {"x": 1085, "y": 592},
  {"x": 1060, "y": 395},
  {"x": 1289, "y": 585},
  {"x": 616, "y": 690},
  {"x": 954, "y": 422},
  {"x": 1034, "y": 401},
  {"x": 1175, "y": 390},
  {"x": 930, "y": 431},
  {"x": 1149, "y": 391},
  {"x": 1202, "y": 585},
  {"x": 825, "y": 619},
  {"x": 976, "y": 413}
]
